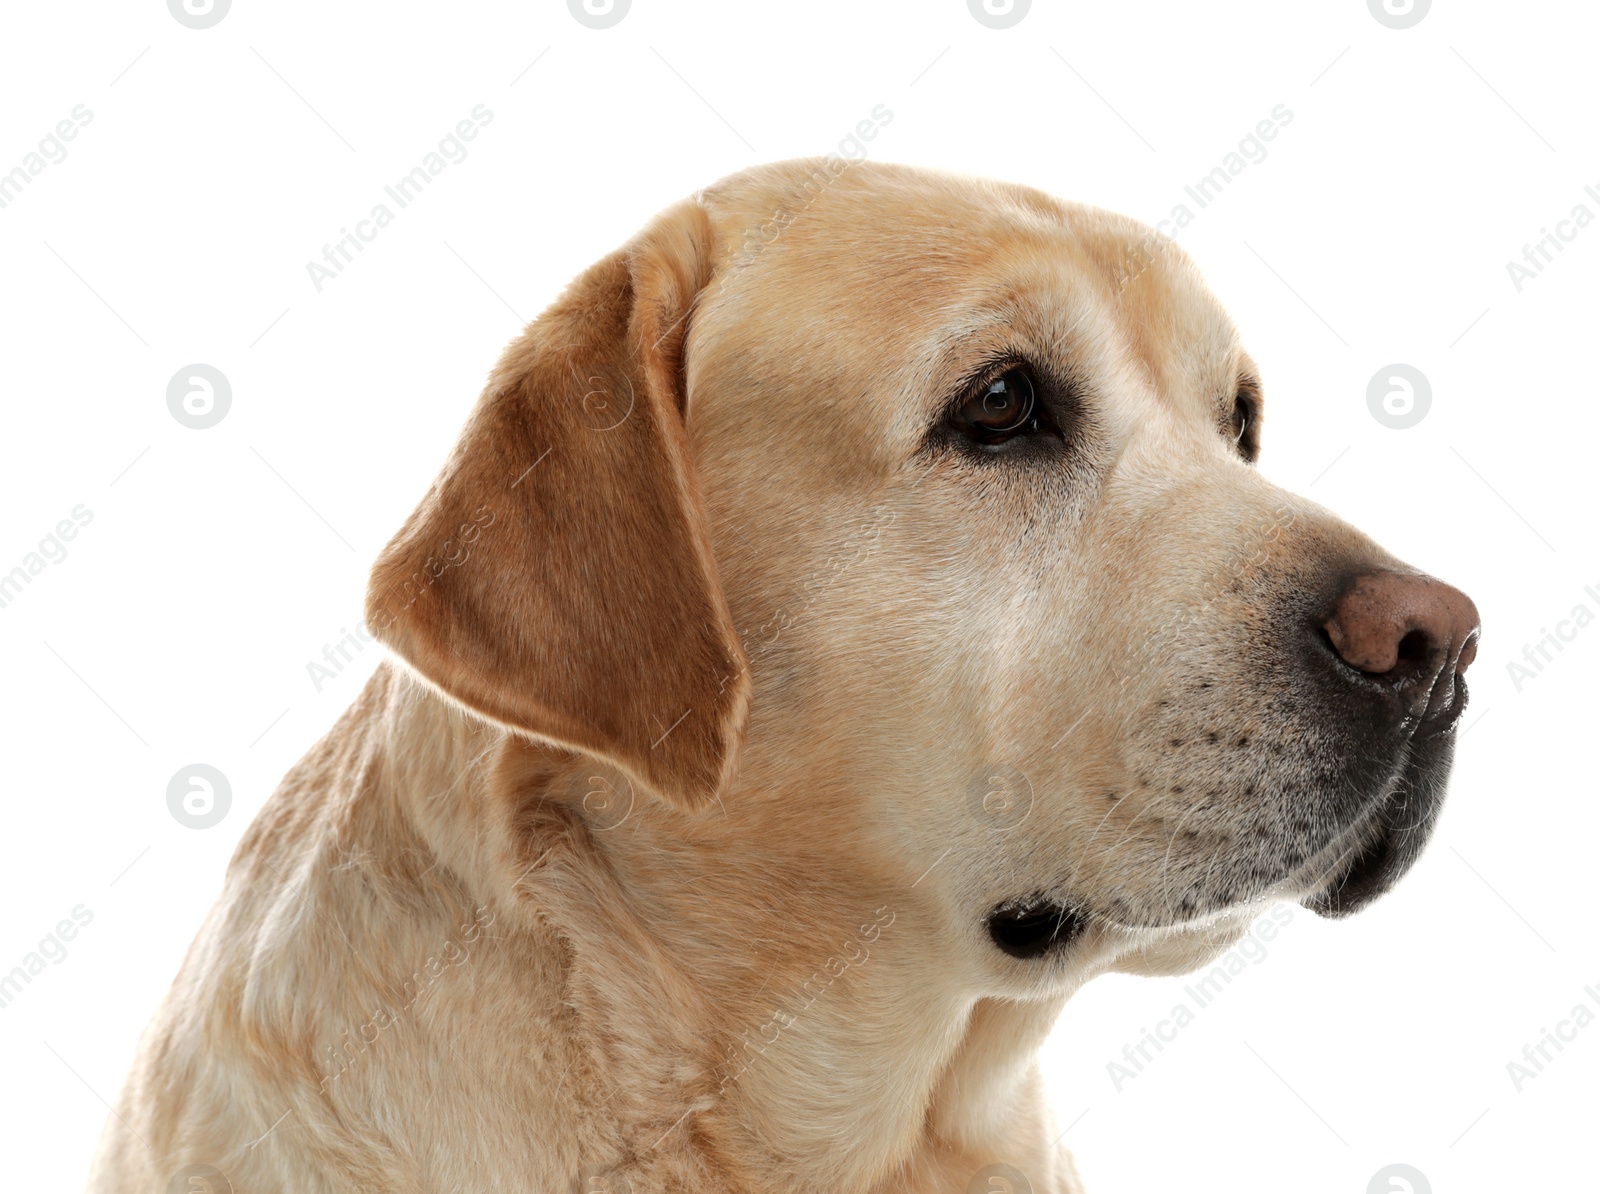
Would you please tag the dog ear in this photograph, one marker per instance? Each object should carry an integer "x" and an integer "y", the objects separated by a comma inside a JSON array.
[{"x": 558, "y": 577}]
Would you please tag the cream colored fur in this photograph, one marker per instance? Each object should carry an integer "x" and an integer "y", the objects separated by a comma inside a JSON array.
[{"x": 510, "y": 927}]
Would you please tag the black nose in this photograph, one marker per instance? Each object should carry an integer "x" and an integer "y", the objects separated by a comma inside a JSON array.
[{"x": 1409, "y": 632}]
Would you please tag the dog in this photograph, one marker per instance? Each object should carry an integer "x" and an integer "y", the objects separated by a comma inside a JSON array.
[{"x": 850, "y": 620}]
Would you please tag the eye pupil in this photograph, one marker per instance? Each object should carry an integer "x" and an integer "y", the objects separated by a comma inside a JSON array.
[
  {"x": 1242, "y": 423},
  {"x": 1005, "y": 408}
]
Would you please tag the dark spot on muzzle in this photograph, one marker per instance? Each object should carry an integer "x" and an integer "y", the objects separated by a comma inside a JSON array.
[{"x": 1033, "y": 927}]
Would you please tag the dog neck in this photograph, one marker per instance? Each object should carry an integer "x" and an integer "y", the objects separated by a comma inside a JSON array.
[{"x": 784, "y": 1018}]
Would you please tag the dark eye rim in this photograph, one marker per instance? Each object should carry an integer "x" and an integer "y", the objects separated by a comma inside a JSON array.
[
  {"x": 1243, "y": 423},
  {"x": 1035, "y": 422}
]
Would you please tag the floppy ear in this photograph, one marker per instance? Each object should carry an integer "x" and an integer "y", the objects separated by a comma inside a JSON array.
[{"x": 558, "y": 577}]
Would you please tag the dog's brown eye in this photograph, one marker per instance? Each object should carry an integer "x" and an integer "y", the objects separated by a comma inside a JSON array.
[
  {"x": 1240, "y": 421},
  {"x": 1244, "y": 422},
  {"x": 1005, "y": 407}
]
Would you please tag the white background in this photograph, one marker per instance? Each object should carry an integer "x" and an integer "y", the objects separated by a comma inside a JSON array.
[{"x": 220, "y": 562}]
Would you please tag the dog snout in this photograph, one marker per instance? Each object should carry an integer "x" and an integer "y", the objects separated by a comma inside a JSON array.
[{"x": 1409, "y": 632}]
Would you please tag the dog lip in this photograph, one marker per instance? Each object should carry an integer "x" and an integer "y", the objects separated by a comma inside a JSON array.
[
  {"x": 1364, "y": 876},
  {"x": 1404, "y": 819},
  {"x": 1440, "y": 720},
  {"x": 1034, "y": 926}
]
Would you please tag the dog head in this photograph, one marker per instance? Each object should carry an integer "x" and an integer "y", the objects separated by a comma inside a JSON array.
[{"x": 937, "y": 497}]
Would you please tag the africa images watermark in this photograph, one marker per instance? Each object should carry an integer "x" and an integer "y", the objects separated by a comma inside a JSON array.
[
  {"x": 1250, "y": 151},
  {"x": 1542, "y": 252},
  {"x": 1537, "y": 655},
  {"x": 1252, "y": 951},
  {"x": 52, "y": 549},
  {"x": 51, "y": 152},
  {"x": 337, "y": 654},
  {"x": 51, "y": 949},
  {"x": 337, "y": 1059},
  {"x": 451, "y": 150},
  {"x": 199, "y": 796},
  {"x": 855, "y": 952},
  {"x": 452, "y": 553},
  {"x": 1550, "y": 1045}
]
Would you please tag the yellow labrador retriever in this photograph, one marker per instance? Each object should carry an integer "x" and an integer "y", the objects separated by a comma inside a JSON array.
[{"x": 849, "y": 621}]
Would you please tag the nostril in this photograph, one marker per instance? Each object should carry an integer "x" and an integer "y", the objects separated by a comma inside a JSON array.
[
  {"x": 1404, "y": 629},
  {"x": 1413, "y": 654}
]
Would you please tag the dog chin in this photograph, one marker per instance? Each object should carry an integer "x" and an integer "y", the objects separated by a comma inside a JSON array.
[{"x": 1186, "y": 947}]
